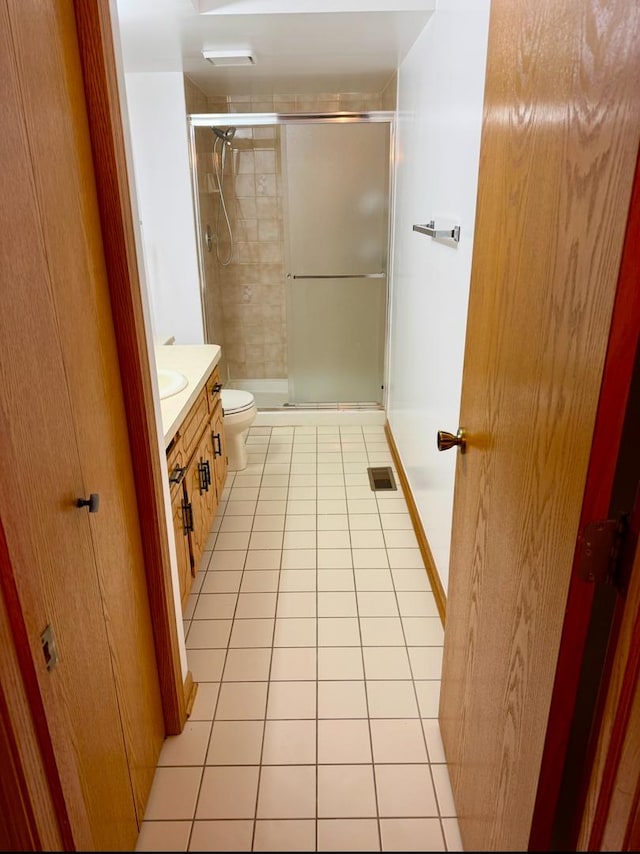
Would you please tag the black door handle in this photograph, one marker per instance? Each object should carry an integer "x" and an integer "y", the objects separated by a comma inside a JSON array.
[{"x": 92, "y": 502}]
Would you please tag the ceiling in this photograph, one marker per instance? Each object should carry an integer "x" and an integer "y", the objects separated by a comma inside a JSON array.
[{"x": 322, "y": 46}]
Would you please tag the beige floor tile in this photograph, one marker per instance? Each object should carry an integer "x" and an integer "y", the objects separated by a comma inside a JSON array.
[
  {"x": 293, "y": 663},
  {"x": 423, "y": 631},
  {"x": 386, "y": 662},
  {"x": 348, "y": 834},
  {"x": 173, "y": 794},
  {"x": 247, "y": 665},
  {"x": 253, "y": 633},
  {"x": 221, "y": 581},
  {"x": 295, "y": 631},
  {"x": 255, "y": 605},
  {"x": 296, "y": 604},
  {"x": 444, "y": 794},
  {"x": 206, "y": 664},
  {"x": 346, "y": 791},
  {"x": 221, "y": 835},
  {"x": 435, "y": 747},
  {"x": 398, "y": 740},
  {"x": 187, "y": 748},
  {"x": 338, "y": 631},
  {"x": 405, "y": 791},
  {"x": 374, "y": 579},
  {"x": 381, "y": 631},
  {"x": 292, "y": 700},
  {"x": 235, "y": 743},
  {"x": 163, "y": 836},
  {"x": 209, "y": 634},
  {"x": 287, "y": 791},
  {"x": 342, "y": 699},
  {"x": 285, "y": 835},
  {"x": 411, "y": 834},
  {"x": 289, "y": 742},
  {"x": 242, "y": 701},
  {"x": 391, "y": 699},
  {"x": 260, "y": 581},
  {"x": 337, "y": 604},
  {"x": 426, "y": 661},
  {"x": 340, "y": 663},
  {"x": 215, "y": 606},
  {"x": 228, "y": 792},
  {"x": 205, "y": 702},
  {"x": 296, "y": 580},
  {"x": 428, "y": 691},
  {"x": 227, "y": 560},
  {"x": 343, "y": 741},
  {"x": 452, "y": 834}
]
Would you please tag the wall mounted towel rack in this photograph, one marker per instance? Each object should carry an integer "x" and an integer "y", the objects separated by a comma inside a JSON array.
[{"x": 439, "y": 233}]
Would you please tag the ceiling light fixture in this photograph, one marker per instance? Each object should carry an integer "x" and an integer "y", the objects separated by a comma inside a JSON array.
[{"x": 229, "y": 57}]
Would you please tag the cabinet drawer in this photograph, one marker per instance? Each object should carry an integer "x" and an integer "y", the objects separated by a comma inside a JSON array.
[
  {"x": 214, "y": 387},
  {"x": 194, "y": 423}
]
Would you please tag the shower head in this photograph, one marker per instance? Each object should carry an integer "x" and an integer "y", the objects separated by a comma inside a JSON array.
[{"x": 225, "y": 135}]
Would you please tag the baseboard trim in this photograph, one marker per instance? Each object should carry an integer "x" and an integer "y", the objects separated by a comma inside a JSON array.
[
  {"x": 190, "y": 691},
  {"x": 423, "y": 543}
]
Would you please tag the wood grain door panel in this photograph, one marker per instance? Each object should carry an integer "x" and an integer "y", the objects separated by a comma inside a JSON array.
[
  {"x": 56, "y": 122},
  {"x": 48, "y": 538},
  {"x": 558, "y": 149}
]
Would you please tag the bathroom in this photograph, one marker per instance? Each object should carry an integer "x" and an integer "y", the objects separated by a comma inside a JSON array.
[
  {"x": 194, "y": 297},
  {"x": 436, "y": 127}
]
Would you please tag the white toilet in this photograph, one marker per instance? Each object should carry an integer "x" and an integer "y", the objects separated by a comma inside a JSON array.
[{"x": 239, "y": 410}]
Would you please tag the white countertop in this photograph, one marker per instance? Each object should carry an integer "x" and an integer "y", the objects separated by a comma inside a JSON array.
[{"x": 195, "y": 361}]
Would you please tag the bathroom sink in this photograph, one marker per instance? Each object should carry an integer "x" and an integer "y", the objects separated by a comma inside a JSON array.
[{"x": 170, "y": 382}]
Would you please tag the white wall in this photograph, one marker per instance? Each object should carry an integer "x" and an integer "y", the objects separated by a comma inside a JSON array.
[
  {"x": 159, "y": 141},
  {"x": 440, "y": 96}
]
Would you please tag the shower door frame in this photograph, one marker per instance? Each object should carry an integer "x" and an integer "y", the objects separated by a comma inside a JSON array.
[{"x": 196, "y": 120}]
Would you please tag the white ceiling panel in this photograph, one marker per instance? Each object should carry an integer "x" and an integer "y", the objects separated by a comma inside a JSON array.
[{"x": 302, "y": 52}]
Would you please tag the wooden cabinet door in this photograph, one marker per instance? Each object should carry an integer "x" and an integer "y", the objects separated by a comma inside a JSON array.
[
  {"x": 199, "y": 497},
  {"x": 219, "y": 449},
  {"x": 183, "y": 552}
]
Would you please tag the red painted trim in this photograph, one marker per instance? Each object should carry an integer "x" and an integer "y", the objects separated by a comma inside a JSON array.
[{"x": 614, "y": 392}]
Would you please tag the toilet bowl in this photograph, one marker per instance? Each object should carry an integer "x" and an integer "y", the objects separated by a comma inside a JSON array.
[{"x": 239, "y": 410}]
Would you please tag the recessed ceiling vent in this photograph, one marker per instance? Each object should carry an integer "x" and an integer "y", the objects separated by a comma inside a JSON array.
[
  {"x": 229, "y": 57},
  {"x": 381, "y": 478}
]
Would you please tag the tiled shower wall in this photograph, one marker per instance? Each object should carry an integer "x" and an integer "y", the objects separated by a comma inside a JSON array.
[{"x": 246, "y": 300}]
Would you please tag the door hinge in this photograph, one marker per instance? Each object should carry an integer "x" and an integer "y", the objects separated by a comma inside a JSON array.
[{"x": 601, "y": 545}]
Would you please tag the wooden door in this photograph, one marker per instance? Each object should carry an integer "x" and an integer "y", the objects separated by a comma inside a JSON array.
[
  {"x": 558, "y": 151},
  {"x": 98, "y": 711},
  {"x": 51, "y": 577},
  {"x": 56, "y": 122}
]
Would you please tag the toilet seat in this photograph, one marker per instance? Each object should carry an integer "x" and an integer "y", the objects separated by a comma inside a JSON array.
[{"x": 235, "y": 401}]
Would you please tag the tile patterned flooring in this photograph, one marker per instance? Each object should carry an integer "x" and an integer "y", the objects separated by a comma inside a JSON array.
[{"x": 316, "y": 643}]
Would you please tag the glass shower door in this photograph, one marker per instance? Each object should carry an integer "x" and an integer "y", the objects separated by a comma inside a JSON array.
[{"x": 337, "y": 193}]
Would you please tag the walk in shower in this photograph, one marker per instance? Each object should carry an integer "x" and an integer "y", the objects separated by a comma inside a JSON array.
[{"x": 293, "y": 242}]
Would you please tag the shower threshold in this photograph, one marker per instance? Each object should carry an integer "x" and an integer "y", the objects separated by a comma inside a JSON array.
[{"x": 339, "y": 406}]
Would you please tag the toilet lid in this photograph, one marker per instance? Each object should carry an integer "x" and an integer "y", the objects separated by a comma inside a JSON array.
[{"x": 234, "y": 400}]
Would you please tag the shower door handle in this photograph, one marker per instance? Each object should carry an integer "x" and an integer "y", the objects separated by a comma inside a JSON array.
[{"x": 339, "y": 276}]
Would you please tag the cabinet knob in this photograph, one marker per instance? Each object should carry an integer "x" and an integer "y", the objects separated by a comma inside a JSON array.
[
  {"x": 92, "y": 502},
  {"x": 216, "y": 388}
]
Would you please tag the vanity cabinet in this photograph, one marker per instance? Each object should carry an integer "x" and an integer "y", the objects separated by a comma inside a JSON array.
[{"x": 197, "y": 465}]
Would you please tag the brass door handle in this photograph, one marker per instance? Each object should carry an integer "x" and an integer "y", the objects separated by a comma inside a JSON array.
[{"x": 448, "y": 440}]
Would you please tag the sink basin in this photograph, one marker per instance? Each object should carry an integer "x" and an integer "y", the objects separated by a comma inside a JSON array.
[{"x": 170, "y": 382}]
